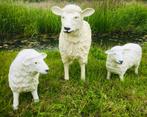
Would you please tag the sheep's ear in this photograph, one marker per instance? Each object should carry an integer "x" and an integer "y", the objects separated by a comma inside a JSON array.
[
  {"x": 57, "y": 10},
  {"x": 44, "y": 55},
  {"x": 27, "y": 61},
  {"x": 108, "y": 52},
  {"x": 87, "y": 12}
]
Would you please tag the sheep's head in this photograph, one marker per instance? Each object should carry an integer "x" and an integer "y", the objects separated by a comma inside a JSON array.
[
  {"x": 72, "y": 16},
  {"x": 116, "y": 53},
  {"x": 37, "y": 64}
]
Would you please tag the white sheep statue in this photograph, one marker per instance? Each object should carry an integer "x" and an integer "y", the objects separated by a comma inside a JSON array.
[
  {"x": 75, "y": 36},
  {"x": 24, "y": 74},
  {"x": 121, "y": 58}
]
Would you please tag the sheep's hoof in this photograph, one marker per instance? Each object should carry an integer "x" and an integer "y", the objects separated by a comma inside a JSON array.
[
  {"x": 122, "y": 80},
  {"x": 136, "y": 72},
  {"x": 36, "y": 100},
  {"x": 15, "y": 108},
  {"x": 66, "y": 78},
  {"x": 83, "y": 79},
  {"x": 108, "y": 78}
]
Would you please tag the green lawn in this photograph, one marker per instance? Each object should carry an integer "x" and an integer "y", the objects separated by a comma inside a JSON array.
[{"x": 95, "y": 97}]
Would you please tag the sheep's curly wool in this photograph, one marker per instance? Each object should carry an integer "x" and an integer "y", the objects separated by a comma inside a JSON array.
[
  {"x": 75, "y": 47},
  {"x": 75, "y": 36},
  {"x": 20, "y": 79},
  {"x": 132, "y": 57}
]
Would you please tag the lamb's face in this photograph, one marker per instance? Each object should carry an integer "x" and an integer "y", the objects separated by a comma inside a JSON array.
[
  {"x": 71, "y": 21},
  {"x": 72, "y": 17},
  {"x": 116, "y": 54},
  {"x": 37, "y": 64}
]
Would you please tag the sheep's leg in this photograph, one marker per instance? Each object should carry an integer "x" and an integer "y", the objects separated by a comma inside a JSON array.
[
  {"x": 108, "y": 75},
  {"x": 15, "y": 100},
  {"x": 35, "y": 95},
  {"x": 66, "y": 71},
  {"x": 136, "y": 68},
  {"x": 121, "y": 76},
  {"x": 82, "y": 72}
]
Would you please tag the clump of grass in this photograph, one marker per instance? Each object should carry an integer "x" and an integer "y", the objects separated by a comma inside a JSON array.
[
  {"x": 19, "y": 19},
  {"x": 122, "y": 17},
  {"x": 133, "y": 17}
]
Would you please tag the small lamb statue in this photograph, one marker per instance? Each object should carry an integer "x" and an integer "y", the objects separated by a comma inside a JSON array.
[
  {"x": 24, "y": 74},
  {"x": 75, "y": 36},
  {"x": 121, "y": 58}
]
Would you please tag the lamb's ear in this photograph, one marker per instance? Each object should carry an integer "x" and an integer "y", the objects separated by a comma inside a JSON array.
[
  {"x": 57, "y": 10},
  {"x": 27, "y": 61},
  {"x": 108, "y": 52},
  {"x": 87, "y": 12},
  {"x": 44, "y": 55}
]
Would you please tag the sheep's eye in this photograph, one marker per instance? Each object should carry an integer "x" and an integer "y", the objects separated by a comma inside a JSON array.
[
  {"x": 76, "y": 17},
  {"x": 35, "y": 62},
  {"x": 62, "y": 17}
]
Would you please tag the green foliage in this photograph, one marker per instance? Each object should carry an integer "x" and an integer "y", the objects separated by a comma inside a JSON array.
[
  {"x": 133, "y": 17},
  {"x": 110, "y": 16},
  {"x": 19, "y": 19},
  {"x": 97, "y": 96}
]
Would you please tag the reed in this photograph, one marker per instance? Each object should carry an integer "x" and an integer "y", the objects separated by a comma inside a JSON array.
[{"x": 110, "y": 16}]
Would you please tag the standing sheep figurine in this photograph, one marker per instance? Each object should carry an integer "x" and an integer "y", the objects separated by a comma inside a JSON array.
[
  {"x": 121, "y": 58},
  {"x": 75, "y": 36},
  {"x": 24, "y": 74}
]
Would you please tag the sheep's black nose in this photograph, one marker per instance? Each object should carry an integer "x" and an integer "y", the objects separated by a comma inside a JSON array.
[
  {"x": 120, "y": 62},
  {"x": 66, "y": 28},
  {"x": 47, "y": 70}
]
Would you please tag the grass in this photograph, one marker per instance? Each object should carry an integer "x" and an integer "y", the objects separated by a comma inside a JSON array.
[
  {"x": 95, "y": 97},
  {"x": 110, "y": 16},
  {"x": 119, "y": 17},
  {"x": 20, "y": 19}
]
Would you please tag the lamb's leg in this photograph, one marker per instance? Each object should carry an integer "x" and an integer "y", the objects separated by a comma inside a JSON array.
[
  {"x": 15, "y": 100},
  {"x": 121, "y": 76},
  {"x": 82, "y": 72},
  {"x": 35, "y": 95},
  {"x": 136, "y": 68},
  {"x": 66, "y": 71},
  {"x": 108, "y": 75}
]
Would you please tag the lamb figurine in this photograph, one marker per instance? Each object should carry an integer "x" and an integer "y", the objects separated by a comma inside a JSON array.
[
  {"x": 121, "y": 58},
  {"x": 75, "y": 36},
  {"x": 24, "y": 74}
]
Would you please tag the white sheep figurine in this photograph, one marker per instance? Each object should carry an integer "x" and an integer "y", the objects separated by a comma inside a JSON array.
[
  {"x": 121, "y": 58},
  {"x": 75, "y": 36},
  {"x": 24, "y": 74}
]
